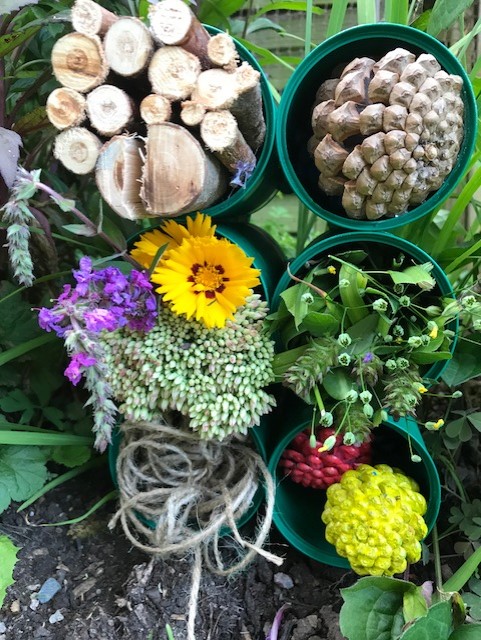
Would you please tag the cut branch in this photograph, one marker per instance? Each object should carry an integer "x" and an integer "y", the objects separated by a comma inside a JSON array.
[
  {"x": 77, "y": 149},
  {"x": 78, "y": 62},
  {"x": 173, "y": 72},
  {"x": 247, "y": 108},
  {"x": 128, "y": 46},
  {"x": 191, "y": 113},
  {"x": 222, "y": 52},
  {"x": 91, "y": 19},
  {"x": 66, "y": 108},
  {"x": 221, "y": 134},
  {"x": 110, "y": 109},
  {"x": 155, "y": 109},
  {"x": 216, "y": 89}
]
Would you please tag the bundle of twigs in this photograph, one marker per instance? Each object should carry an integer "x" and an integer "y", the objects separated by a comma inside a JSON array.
[{"x": 164, "y": 114}]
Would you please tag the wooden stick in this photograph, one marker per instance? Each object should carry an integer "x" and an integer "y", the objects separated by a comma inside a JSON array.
[
  {"x": 155, "y": 109},
  {"x": 91, "y": 19},
  {"x": 191, "y": 113},
  {"x": 118, "y": 175},
  {"x": 77, "y": 149},
  {"x": 66, "y": 108},
  {"x": 78, "y": 62},
  {"x": 128, "y": 46},
  {"x": 216, "y": 89},
  {"x": 178, "y": 175},
  {"x": 174, "y": 72},
  {"x": 247, "y": 108},
  {"x": 173, "y": 23},
  {"x": 222, "y": 52},
  {"x": 110, "y": 109},
  {"x": 221, "y": 134}
]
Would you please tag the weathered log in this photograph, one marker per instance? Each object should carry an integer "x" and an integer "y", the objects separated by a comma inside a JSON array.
[
  {"x": 222, "y": 52},
  {"x": 221, "y": 134},
  {"x": 191, "y": 113},
  {"x": 110, "y": 109},
  {"x": 91, "y": 19},
  {"x": 78, "y": 62},
  {"x": 128, "y": 46},
  {"x": 173, "y": 23},
  {"x": 247, "y": 108},
  {"x": 155, "y": 109},
  {"x": 118, "y": 175},
  {"x": 174, "y": 72},
  {"x": 216, "y": 89},
  {"x": 77, "y": 149},
  {"x": 178, "y": 175},
  {"x": 66, "y": 108}
]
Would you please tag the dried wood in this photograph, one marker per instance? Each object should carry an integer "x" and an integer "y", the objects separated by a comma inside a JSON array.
[
  {"x": 110, "y": 109},
  {"x": 78, "y": 62},
  {"x": 174, "y": 72},
  {"x": 128, "y": 46},
  {"x": 216, "y": 89},
  {"x": 91, "y": 19},
  {"x": 77, "y": 149},
  {"x": 221, "y": 134},
  {"x": 66, "y": 108},
  {"x": 222, "y": 52},
  {"x": 118, "y": 175},
  {"x": 191, "y": 113},
  {"x": 173, "y": 23},
  {"x": 247, "y": 108},
  {"x": 179, "y": 176},
  {"x": 155, "y": 109}
]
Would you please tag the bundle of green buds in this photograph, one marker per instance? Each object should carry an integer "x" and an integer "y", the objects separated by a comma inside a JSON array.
[{"x": 216, "y": 377}]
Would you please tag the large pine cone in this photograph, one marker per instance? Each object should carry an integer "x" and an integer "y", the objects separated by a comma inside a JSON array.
[
  {"x": 387, "y": 133},
  {"x": 305, "y": 465}
]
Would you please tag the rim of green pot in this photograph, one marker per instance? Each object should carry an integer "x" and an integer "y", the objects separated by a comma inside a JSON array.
[
  {"x": 374, "y": 39},
  {"x": 258, "y": 190},
  {"x": 330, "y": 241},
  {"x": 297, "y": 512},
  {"x": 113, "y": 453}
]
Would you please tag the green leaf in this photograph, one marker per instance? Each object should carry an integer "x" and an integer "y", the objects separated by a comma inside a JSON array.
[
  {"x": 292, "y": 297},
  {"x": 144, "y": 8},
  {"x": 288, "y": 6},
  {"x": 71, "y": 456},
  {"x": 457, "y": 581},
  {"x": 420, "y": 357},
  {"x": 261, "y": 24},
  {"x": 35, "y": 120},
  {"x": 50, "y": 439},
  {"x": 414, "y": 605},
  {"x": 454, "y": 427},
  {"x": 422, "y": 22},
  {"x": 475, "y": 419},
  {"x": 217, "y": 11},
  {"x": 396, "y": 11},
  {"x": 465, "y": 364},
  {"x": 366, "y": 11},
  {"x": 22, "y": 472},
  {"x": 336, "y": 18},
  {"x": 16, "y": 400},
  {"x": 319, "y": 324},
  {"x": 467, "y": 632},
  {"x": 373, "y": 608},
  {"x": 418, "y": 274},
  {"x": 8, "y": 559},
  {"x": 80, "y": 230},
  {"x": 11, "y": 41},
  {"x": 338, "y": 383},
  {"x": 445, "y": 13},
  {"x": 351, "y": 295},
  {"x": 437, "y": 623},
  {"x": 21, "y": 349}
]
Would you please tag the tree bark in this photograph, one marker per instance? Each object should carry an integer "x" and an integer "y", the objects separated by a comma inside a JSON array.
[
  {"x": 66, "y": 108},
  {"x": 78, "y": 62},
  {"x": 128, "y": 46},
  {"x": 91, "y": 19},
  {"x": 77, "y": 149},
  {"x": 247, "y": 108},
  {"x": 110, "y": 109},
  {"x": 221, "y": 134},
  {"x": 178, "y": 176},
  {"x": 173, "y": 72}
]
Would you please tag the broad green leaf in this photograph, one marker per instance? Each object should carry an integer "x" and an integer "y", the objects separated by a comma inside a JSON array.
[
  {"x": 454, "y": 427},
  {"x": 80, "y": 230},
  {"x": 467, "y": 632},
  {"x": 8, "y": 559},
  {"x": 414, "y": 605},
  {"x": 143, "y": 8},
  {"x": 372, "y": 608},
  {"x": 261, "y": 24},
  {"x": 15, "y": 401},
  {"x": 24, "y": 438},
  {"x": 437, "y": 623},
  {"x": 319, "y": 324},
  {"x": 396, "y": 11},
  {"x": 444, "y": 13},
  {"x": 475, "y": 419},
  {"x": 338, "y": 383},
  {"x": 216, "y": 12},
  {"x": 465, "y": 364},
  {"x": 72, "y": 456},
  {"x": 22, "y": 472},
  {"x": 362, "y": 334},
  {"x": 287, "y": 6},
  {"x": 420, "y": 357},
  {"x": 11, "y": 41},
  {"x": 422, "y": 22},
  {"x": 292, "y": 297},
  {"x": 419, "y": 275},
  {"x": 351, "y": 295}
]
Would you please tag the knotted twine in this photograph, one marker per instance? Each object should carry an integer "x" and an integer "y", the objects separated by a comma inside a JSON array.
[{"x": 179, "y": 493}]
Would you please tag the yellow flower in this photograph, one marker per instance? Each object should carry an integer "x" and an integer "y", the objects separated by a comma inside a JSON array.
[
  {"x": 434, "y": 332},
  {"x": 331, "y": 269},
  {"x": 438, "y": 424},
  {"x": 206, "y": 278},
  {"x": 422, "y": 389},
  {"x": 172, "y": 234}
]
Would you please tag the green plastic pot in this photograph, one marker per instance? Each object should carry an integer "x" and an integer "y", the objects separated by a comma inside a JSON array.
[
  {"x": 266, "y": 178},
  {"x": 331, "y": 243},
  {"x": 259, "y": 446},
  {"x": 297, "y": 512},
  {"x": 294, "y": 126}
]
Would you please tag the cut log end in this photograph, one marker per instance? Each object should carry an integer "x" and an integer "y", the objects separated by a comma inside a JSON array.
[
  {"x": 247, "y": 77},
  {"x": 91, "y": 19},
  {"x": 222, "y": 52},
  {"x": 118, "y": 175},
  {"x": 216, "y": 89},
  {"x": 221, "y": 134},
  {"x": 173, "y": 72},
  {"x": 128, "y": 46},
  {"x": 155, "y": 109},
  {"x": 78, "y": 62},
  {"x": 77, "y": 149},
  {"x": 66, "y": 108},
  {"x": 192, "y": 113},
  {"x": 110, "y": 109}
]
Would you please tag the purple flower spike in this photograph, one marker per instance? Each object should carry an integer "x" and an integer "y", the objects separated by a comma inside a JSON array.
[
  {"x": 242, "y": 174},
  {"x": 77, "y": 365},
  {"x": 369, "y": 357}
]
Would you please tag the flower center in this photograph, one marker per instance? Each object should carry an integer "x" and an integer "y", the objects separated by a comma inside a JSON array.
[{"x": 208, "y": 278}]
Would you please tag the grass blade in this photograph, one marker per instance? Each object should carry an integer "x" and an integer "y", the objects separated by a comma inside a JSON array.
[
  {"x": 21, "y": 349},
  {"x": 396, "y": 11},
  {"x": 366, "y": 11},
  {"x": 336, "y": 19},
  {"x": 110, "y": 496},
  {"x": 33, "y": 438}
]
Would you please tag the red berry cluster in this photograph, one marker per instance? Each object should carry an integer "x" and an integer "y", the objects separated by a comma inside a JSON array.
[{"x": 307, "y": 466}]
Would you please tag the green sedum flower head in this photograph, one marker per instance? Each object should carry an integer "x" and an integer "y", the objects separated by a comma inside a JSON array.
[{"x": 215, "y": 377}]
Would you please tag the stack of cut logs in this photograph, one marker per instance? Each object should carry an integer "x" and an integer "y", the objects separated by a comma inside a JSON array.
[
  {"x": 387, "y": 133},
  {"x": 166, "y": 115}
]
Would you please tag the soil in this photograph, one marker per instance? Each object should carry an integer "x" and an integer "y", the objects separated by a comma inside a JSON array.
[{"x": 110, "y": 590}]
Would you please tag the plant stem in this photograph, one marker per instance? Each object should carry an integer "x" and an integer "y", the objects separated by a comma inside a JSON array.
[{"x": 437, "y": 560}]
